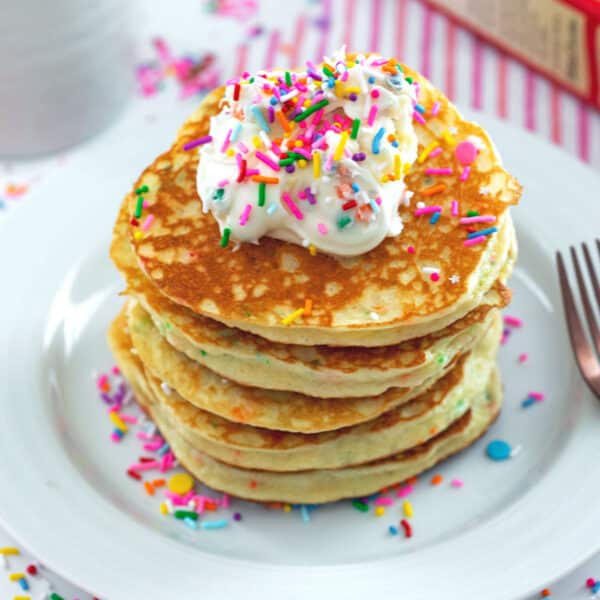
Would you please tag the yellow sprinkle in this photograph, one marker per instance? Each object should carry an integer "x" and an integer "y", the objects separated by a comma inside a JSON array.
[
  {"x": 117, "y": 421},
  {"x": 16, "y": 576},
  {"x": 336, "y": 87},
  {"x": 352, "y": 90},
  {"x": 292, "y": 317},
  {"x": 379, "y": 511},
  {"x": 256, "y": 141},
  {"x": 287, "y": 508},
  {"x": 339, "y": 151},
  {"x": 164, "y": 509},
  {"x": 306, "y": 103},
  {"x": 301, "y": 163},
  {"x": 230, "y": 152},
  {"x": 408, "y": 510},
  {"x": 181, "y": 484},
  {"x": 298, "y": 143},
  {"x": 397, "y": 166},
  {"x": 316, "y": 164},
  {"x": 21, "y": 597},
  {"x": 448, "y": 138},
  {"x": 10, "y": 551},
  {"x": 427, "y": 151},
  {"x": 312, "y": 249},
  {"x": 138, "y": 235}
]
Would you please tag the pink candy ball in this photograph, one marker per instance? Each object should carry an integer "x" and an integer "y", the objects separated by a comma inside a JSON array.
[{"x": 466, "y": 153}]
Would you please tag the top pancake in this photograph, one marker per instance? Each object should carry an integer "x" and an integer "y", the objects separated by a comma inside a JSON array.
[{"x": 379, "y": 298}]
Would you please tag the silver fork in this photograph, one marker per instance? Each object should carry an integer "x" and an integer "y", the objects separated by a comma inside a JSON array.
[{"x": 585, "y": 355}]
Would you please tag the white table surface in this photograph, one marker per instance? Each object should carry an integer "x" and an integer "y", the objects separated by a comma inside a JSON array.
[{"x": 421, "y": 37}]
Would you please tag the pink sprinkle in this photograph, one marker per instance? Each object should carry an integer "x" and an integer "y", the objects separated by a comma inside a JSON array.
[
  {"x": 115, "y": 370},
  {"x": 435, "y": 109},
  {"x": 427, "y": 210},
  {"x": 475, "y": 240},
  {"x": 435, "y": 152},
  {"x": 164, "y": 463},
  {"x": 153, "y": 446},
  {"x": 225, "y": 501},
  {"x": 478, "y": 219},
  {"x": 505, "y": 337},
  {"x": 405, "y": 491},
  {"x": 378, "y": 62},
  {"x": 129, "y": 419},
  {"x": 146, "y": 204},
  {"x": 223, "y": 183},
  {"x": 457, "y": 483},
  {"x": 147, "y": 222},
  {"x": 243, "y": 147},
  {"x": 226, "y": 141},
  {"x": 292, "y": 206},
  {"x": 329, "y": 162},
  {"x": 322, "y": 228},
  {"x": 245, "y": 214},
  {"x": 147, "y": 466},
  {"x": 374, "y": 93},
  {"x": 199, "y": 500},
  {"x": 372, "y": 115},
  {"x": 513, "y": 321},
  {"x": 114, "y": 436},
  {"x": 102, "y": 381},
  {"x": 435, "y": 276},
  {"x": 454, "y": 208},
  {"x": 441, "y": 171},
  {"x": 418, "y": 117},
  {"x": 537, "y": 396},
  {"x": 250, "y": 172},
  {"x": 264, "y": 158},
  {"x": 142, "y": 435},
  {"x": 524, "y": 357},
  {"x": 384, "y": 501},
  {"x": 465, "y": 174},
  {"x": 411, "y": 249}
]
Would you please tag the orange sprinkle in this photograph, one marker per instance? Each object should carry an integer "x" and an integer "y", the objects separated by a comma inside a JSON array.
[
  {"x": 149, "y": 488},
  {"x": 411, "y": 481},
  {"x": 252, "y": 483},
  {"x": 545, "y": 593},
  {"x": 434, "y": 189},
  {"x": 436, "y": 480},
  {"x": 158, "y": 483},
  {"x": 264, "y": 179},
  {"x": 433, "y": 430},
  {"x": 390, "y": 69},
  {"x": 307, "y": 307},
  {"x": 284, "y": 122},
  {"x": 210, "y": 506}
]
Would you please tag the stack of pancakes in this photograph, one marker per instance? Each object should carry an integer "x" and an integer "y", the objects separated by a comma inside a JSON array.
[{"x": 384, "y": 372}]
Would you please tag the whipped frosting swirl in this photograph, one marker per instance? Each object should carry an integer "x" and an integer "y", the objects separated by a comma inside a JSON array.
[{"x": 316, "y": 157}]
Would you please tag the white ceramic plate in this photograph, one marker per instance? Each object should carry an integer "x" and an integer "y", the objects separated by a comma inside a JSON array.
[{"x": 511, "y": 529}]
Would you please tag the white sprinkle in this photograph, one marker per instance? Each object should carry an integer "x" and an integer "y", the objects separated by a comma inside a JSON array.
[
  {"x": 429, "y": 270},
  {"x": 484, "y": 190},
  {"x": 374, "y": 316},
  {"x": 289, "y": 96},
  {"x": 169, "y": 506},
  {"x": 420, "y": 205},
  {"x": 134, "y": 351},
  {"x": 454, "y": 279},
  {"x": 516, "y": 451},
  {"x": 164, "y": 386}
]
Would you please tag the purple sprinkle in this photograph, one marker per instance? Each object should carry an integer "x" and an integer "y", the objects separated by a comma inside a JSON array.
[
  {"x": 359, "y": 156},
  {"x": 198, "y": 142},
  {"x": 310, "y": 196},
  {"x": 106, "y": 398},
  {"x": 353, "y": 97},
  {"x": 237, "y": 517},
  {"x": 314, "y": 76},
  {"x": 271, "y": 113},
  {"x": 290, "y": 168}
]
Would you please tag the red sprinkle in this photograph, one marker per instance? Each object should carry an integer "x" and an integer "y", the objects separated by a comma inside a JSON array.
[
  {"x": 236, "y": 91},
  {"x": 134, "y": 475},
  {"x": 434, "y": 276},
  {"x": 242, "y": 172},
  {"x": 349, "y": 205},
  {"x": 590, "y": 582},
  {"x": 31, "y": 569},
  {"x": 407, "y": 528}
]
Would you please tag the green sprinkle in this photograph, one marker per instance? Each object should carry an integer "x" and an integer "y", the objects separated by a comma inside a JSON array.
[
  {"x": 288, "y": 79},
  {"x": 219, "y": 193},
  {"x": 286, "y": 161},
  {"x": 203, "y": 353},
  {"x": 55, "y": 596},
  {"x": 186, "y": 514},
  {"x": 472, "y": 213},
  {"x": 142, "y": 190},
  {"x": 328, "y": 72},
  {"x": 441, "y": 359},
  {"x": 138, "y": 207},
  {"x": 262, "y": 192},
  {"x": 251, "y": 80},
  {"x": 344, "y": 221},
  {"x": 310, "y": 110},
  {"x": 358, "y": 505},
  {"x": 225, "y": 237},
  {"x": 355, "y": 126},
  {"x": 409, "y": 79},
  {"x": 295, "y": 156}
]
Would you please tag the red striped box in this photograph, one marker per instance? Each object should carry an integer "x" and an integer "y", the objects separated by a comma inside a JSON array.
[{"x": 558, "y": 38}]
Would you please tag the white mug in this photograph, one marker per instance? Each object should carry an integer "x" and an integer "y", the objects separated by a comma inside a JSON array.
[{"x": 66, "y": 71}]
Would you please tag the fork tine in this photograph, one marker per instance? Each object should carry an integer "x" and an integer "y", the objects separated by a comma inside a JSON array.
[
  {"x": 586, "y": 361},
  {"x": 585, "y": 297},
  {"x": 596, "y": 286}
]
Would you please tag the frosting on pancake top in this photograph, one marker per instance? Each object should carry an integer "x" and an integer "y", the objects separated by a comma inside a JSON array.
[{"x": 316, "y": 157}]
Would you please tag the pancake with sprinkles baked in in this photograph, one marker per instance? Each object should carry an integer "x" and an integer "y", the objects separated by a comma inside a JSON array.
[
  {"x": 308, "y": 485},
  {"x": 322, "y": 371},
  {"x": 405, "y": 215}
]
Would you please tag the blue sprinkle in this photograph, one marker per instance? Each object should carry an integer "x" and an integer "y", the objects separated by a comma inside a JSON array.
[
  {"x": 260, "y": 118},
  {"x": 395, "y": 143},
  {"x": 435, "y": 217},
  {"x": 190, "y": 523},
  {"x": 331, "y": 82},
  {"x": 271, "y": 208},
  {"x": 596, "y": 587},
  {"x": 214, "y": 524},
  {"x": 498, "y": 450},
  {"x": 420, "y": 108},
  {"x": 371, "y": 79},
  {"x": 304, "y": 513},
  {"x": 23, "y": 584},
  {"x": 374, "y": 205},
  {"x": 236, "y": 132},
  {"x": 393, "y": 530},
  {"x": 273, "y": 101},
  {"x": 487, "y": 231},
  {"x": 355, "y": 187},
  {"x": 377, "y": 141},
  {"x": 163, "y": 449},
  {"x": 528, "y": 402}
]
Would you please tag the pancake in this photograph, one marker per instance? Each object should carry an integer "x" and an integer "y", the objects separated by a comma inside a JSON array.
[
  {"x": 251, "y": 447},
  {"x": 379, "y": 298},
  {"x": 270, "y": 409},
  {"x": 322, "y": 371}
]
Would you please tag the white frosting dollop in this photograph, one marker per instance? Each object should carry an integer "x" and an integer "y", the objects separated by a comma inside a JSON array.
[{"x": 348, "y": 203}]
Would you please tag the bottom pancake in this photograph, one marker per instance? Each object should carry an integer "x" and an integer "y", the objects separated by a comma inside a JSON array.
[{"x": 316, "y": 485}]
